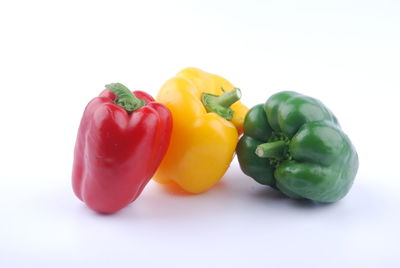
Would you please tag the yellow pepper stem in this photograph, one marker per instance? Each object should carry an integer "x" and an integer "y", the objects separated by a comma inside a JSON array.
[{"x": 220, "y": 104}]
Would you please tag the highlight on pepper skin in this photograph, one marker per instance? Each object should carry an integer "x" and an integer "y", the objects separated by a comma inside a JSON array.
[
  {"x": 208, "y": 119},
  {"x": 295, "y": 144}
]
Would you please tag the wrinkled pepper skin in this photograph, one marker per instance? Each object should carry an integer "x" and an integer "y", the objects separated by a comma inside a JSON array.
[
  {"x": 295, "y": 144},
  {"x": 117, "y": 152},
  {"x": 202, "y": 143}
]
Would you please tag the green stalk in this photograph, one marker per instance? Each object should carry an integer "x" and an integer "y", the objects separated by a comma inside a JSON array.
[
  {"x": 275, "y": 150},
  {"x": 125, "y": 98},
  {"x": 221, "y": 104}
]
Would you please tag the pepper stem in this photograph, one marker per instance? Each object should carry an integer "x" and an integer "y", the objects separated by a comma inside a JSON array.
[
  {"x": 275, "y": 149},
  {"x": 125, "y": 98},
  {"x": 220, "y": 104}
]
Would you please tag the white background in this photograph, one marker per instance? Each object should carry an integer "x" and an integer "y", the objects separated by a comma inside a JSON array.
[{"x": 55, "y": 56}]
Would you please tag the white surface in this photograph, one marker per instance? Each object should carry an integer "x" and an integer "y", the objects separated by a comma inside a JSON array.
[{"x": 55, "y": 57}]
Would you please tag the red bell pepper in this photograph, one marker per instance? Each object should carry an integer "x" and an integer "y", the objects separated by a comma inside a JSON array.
[{"x": 121, "y": 140}]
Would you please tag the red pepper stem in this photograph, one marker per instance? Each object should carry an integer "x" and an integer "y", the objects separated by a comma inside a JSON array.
[
  {"x": 220, "y": 104},
  {"x": 275, "y": 150},
  {"x": 125, "y": 98}
]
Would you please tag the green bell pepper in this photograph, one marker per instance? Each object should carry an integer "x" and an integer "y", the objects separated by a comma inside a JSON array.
[{"x": 295, "y": 144}]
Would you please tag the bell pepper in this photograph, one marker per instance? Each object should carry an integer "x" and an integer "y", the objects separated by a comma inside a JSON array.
[
  {"x": 207, "y": 121},
  {"x": 295, "y": 144},
  {"x": 121, "y": 140}
]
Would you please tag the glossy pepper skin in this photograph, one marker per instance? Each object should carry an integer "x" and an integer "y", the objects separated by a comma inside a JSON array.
[
  {"x": 117, "y": 151},
  {"x": 204, "y": 137},
  {"x": 295, "y": 144}
]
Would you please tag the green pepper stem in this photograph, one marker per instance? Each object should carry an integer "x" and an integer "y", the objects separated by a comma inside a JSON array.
[
  {"x": 274, "y": 150},
  {"x": 221, "y": 104},
  {"x": 125, "y": 98},
  {"x": 228, "y": 98}
]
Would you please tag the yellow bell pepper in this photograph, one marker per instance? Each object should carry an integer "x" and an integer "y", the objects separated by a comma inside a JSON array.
[{"x": 205, "y": 129}]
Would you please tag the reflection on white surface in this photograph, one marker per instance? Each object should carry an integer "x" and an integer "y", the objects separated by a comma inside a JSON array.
[{"x": 237, "y": 223}]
